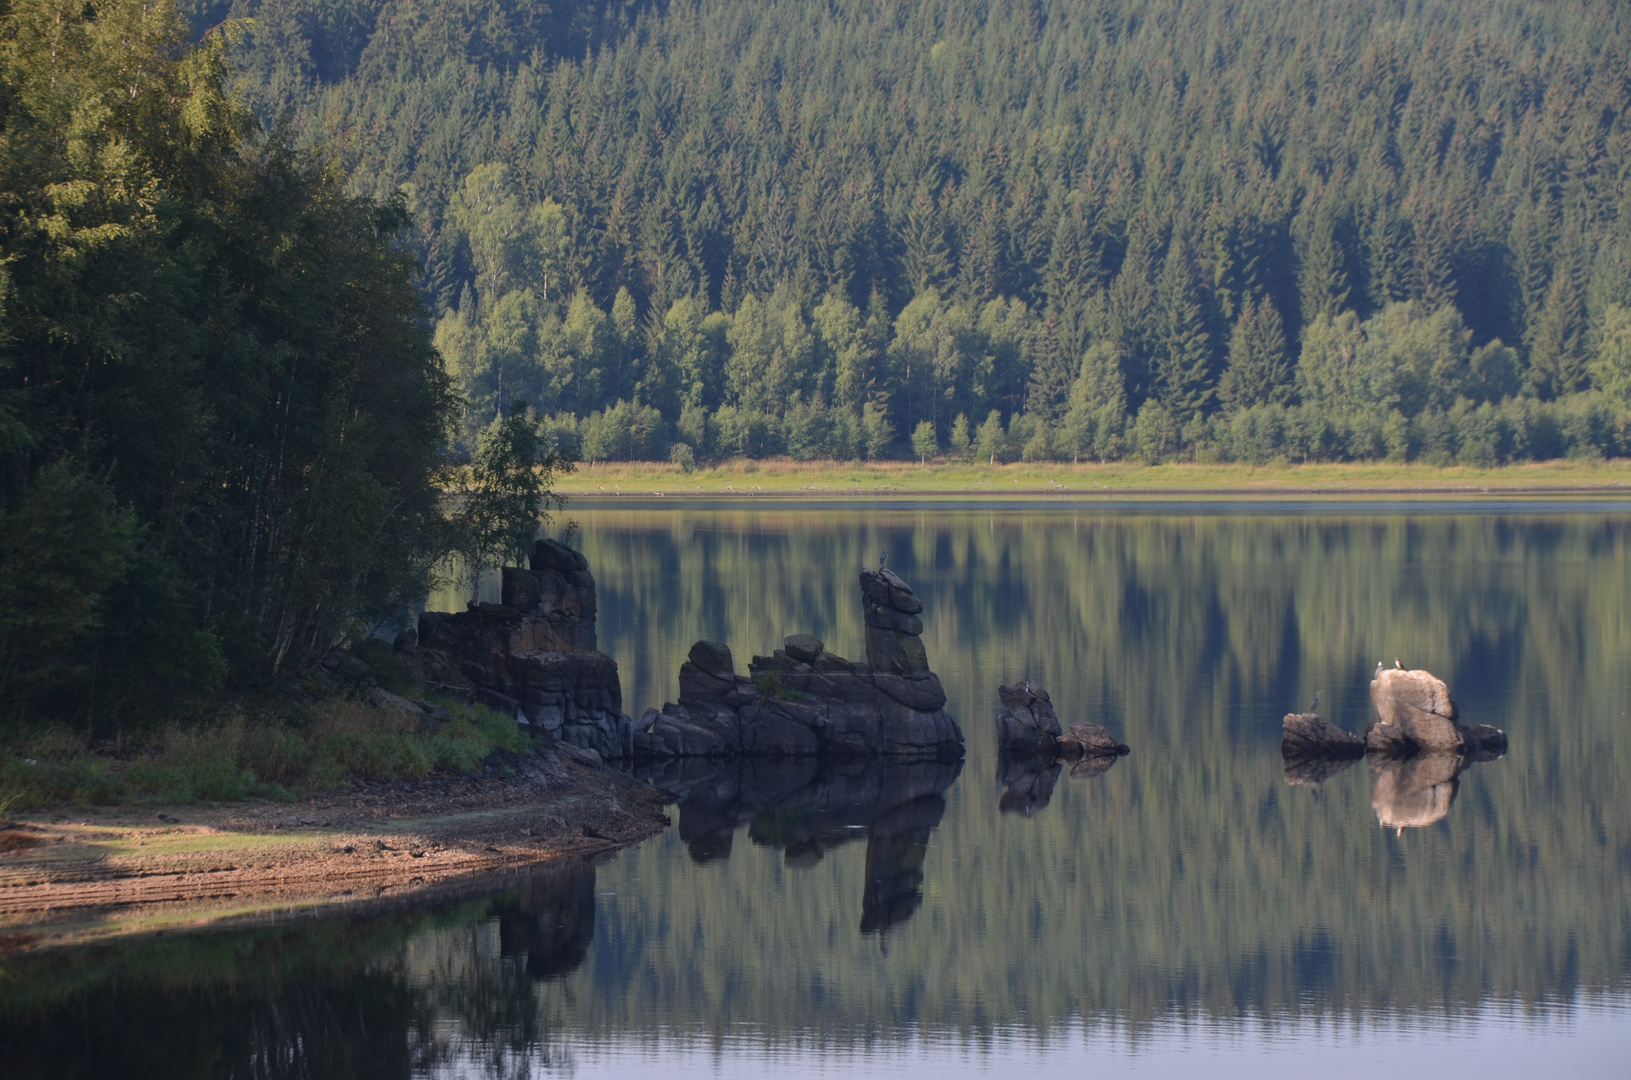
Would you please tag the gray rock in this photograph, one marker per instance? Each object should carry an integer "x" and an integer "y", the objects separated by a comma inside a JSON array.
[
  {"x": 1489, "y": 742},
  {"x": 1028, "y": 723},
  {"x": 1311, "y": 735},
  {"x": 550, "y": 554},
  {"x": 805, "y": 701},
  {"x": 1024, "y": 694},
  {"x": 713, "y": 657},
  {"x": 1087, "y": 739},
  {"x": 1414, "y": 714},
  {"x": 803, "y": 647},
  {"x": 890, "y": 619}
]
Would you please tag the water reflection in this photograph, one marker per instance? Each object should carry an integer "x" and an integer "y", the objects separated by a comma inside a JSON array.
[
  {"x": 808, "y": 807},
  {"x": 549, "y": 919},
  {"x": 1194, "y": 891}
]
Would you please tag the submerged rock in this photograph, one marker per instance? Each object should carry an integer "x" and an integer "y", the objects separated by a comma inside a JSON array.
[
  {"x": 1031, "y": 745},
  {"x": 803, "y": 701}
]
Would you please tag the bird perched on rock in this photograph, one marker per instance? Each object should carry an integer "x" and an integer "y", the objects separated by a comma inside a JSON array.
[
  {"x": 1316, "y": 702},
  {"x": 1378, "y": 674},
  {"x": 883, "y": 560},
  {"x": 1398, "y": 666}
]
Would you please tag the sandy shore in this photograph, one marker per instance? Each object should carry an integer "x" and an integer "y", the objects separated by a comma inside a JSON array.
[{"x": 81, "y": 875}]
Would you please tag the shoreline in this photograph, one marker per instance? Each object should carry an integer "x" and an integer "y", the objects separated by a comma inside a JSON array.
[
  {"x": 70, "y": 877},
  {"x": 871, "y": 482}
]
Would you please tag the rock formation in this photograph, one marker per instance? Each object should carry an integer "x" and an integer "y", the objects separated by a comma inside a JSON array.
[
  {"x": 1315, "y": 749},
  {"x": 534, "y": 656},
  {"x": 1028, "y": 725},
  {"x": 1415, "y": 744},
  {"x": 1031, "y": 745},
  {"x": 1415, "y": 714},
  {"x": 805, "y": 701}
]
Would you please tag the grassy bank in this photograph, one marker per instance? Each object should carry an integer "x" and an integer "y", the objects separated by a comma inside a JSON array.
[
  {"x": 333, "y": 727},
  {"x": 832, "y": 479},
  {"x": 241, "y": 754}
]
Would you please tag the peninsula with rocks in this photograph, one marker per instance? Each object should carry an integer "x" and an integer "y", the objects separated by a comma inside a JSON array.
[{"x": 535, "y": 656}]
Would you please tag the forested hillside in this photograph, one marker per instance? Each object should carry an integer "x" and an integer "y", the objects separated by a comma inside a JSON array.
[{"x": 1247, "y": 229}]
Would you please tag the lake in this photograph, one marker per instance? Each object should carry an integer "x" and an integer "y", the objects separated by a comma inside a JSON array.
[{"x": 1187, "y": 907}]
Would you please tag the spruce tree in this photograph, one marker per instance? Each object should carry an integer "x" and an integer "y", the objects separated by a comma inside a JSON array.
[
  {"x": 1183, "y": 352},
  {"x": 1259, "y": 371}
]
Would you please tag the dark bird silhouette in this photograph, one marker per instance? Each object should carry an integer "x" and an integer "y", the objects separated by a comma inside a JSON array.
[
  {"x": 883, "y": 560},
  {"x": 1316, "y": 703}
]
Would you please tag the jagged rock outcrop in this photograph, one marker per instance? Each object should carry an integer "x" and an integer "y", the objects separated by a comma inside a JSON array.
[
  {"x": 1028, "y": 725},
  {"x": 805, "y": 701},
  {"x": 1031, "y": 744},
  {"x": 1416, "y": 715},
  {"x": 534, "y": 655}
]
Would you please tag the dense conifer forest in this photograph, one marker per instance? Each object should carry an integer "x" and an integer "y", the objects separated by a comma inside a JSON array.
[{"x": 1233, "y": 230}]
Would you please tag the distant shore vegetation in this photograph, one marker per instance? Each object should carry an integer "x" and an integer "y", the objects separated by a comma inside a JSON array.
[{"x": 1124, "y": 229}]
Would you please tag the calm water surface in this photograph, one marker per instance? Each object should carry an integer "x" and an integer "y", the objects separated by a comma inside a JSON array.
[{"x": 1189, "y": 907}]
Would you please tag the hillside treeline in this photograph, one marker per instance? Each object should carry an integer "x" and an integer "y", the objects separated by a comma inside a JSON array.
[
  {"x": 223, "y": 426},
  {"x": 1242, "y": 230}
]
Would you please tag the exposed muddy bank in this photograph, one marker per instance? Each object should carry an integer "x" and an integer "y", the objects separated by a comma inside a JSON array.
[{"x": 67, "y": 878}]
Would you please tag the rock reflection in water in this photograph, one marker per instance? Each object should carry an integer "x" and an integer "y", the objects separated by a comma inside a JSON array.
[
  {"x": 1028, "y": 781},
  {"x": 808, "y": 807},
  {"x": 550, "y": 919},
  {"x": 1408, "y": 793}
]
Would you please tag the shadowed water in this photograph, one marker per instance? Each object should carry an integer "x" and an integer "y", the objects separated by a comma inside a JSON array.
[{"x": 1189, "y": 900}]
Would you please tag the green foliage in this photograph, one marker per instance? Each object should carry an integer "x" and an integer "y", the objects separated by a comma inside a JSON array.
[
  {"x": 1612, "y": 368},
  {"x": 222, "y": 425},
  {"x": 1259, "y": 371},
  {"x": 754, "y": 225},
  {"x": 925, "y": 444},
  {"x": 504, "y": 497},
  {"x": 769, "y": 683},
  {"x": 961, "y": 441},
  {"x": 267, "y": 756}
]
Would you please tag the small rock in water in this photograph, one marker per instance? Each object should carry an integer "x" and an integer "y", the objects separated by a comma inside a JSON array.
[{"x": 1311, "y": 735}]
